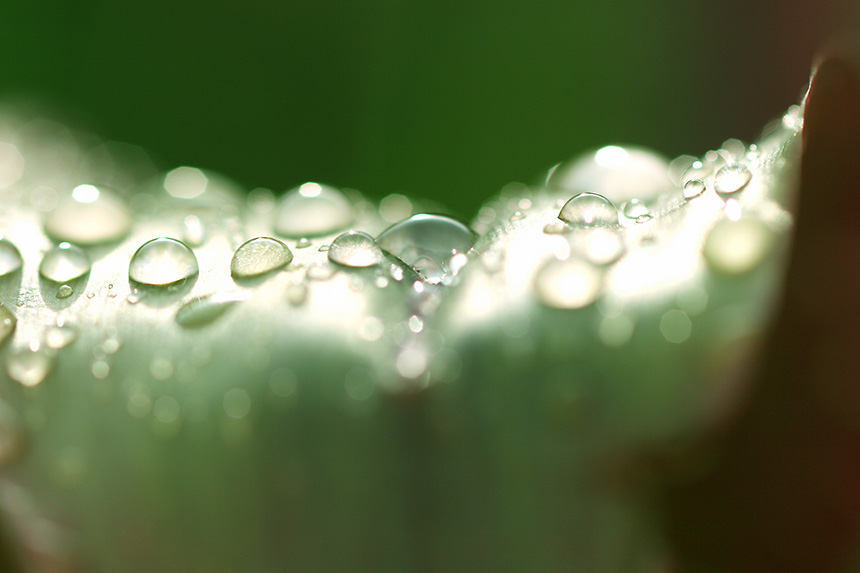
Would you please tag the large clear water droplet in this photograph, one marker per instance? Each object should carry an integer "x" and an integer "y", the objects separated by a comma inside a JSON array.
[
  {"x": 205, "y": 310},
  {"x": 312, "y": 210},
  {"x": 65, "y": 291},
  {"x": 427, "y": 243},
  {"x": 30, "y": 366},
  {"x": 10, "y": 257},
  {"x": 569, "y": 284},
  {"x": 731, "y": 179},
  {"x": 738, "y": 247},
  {"x": 64, "y": 263},
  {"x": 7, "y": 323},
  {"x": 589, "y": 210},
  {"x": 259, "y": 256},
  {"x": 355, "y": 249},
  {"x": 694, "y": 188},
  {"x": 163, "y": 261},
  {"x": 89, "y": 216}
]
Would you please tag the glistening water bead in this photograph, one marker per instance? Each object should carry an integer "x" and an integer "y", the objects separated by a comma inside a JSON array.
[
  {"x": 589, "y": 210},
  {"x": 731, "y": 179},
  {"x": 10, "y": 258},
  {"x": 312, "y": 210},
  {"x": 259, "y": 256},
  {"x": 64, "y": 263},
  {"x": 161, "y": 262},
  {"x": 355, "y": 249},
  {"x": 693, "y": 188}
]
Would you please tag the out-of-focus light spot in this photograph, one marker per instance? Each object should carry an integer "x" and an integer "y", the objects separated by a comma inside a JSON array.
[
  {"x": 411, "y": 362},
  {"x": 185, "y": 182},
  {"x": 85, "y": 193},
  {"x": 395, "y": 208},
  {"x": 676, "y": 326},
  {"x": 371, "y": 329},
  {"x": 733, "y": 210},
  {"x": 569, "y": 284},
  {"x": 738, "y": 247},
  {"x": 237, "y": 403},
  {"x": 611, "y": 156},
  {"x": 11, "y": 164}
]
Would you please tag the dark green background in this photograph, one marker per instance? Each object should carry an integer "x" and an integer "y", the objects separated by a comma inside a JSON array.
[{"x": 443, "y": 99}]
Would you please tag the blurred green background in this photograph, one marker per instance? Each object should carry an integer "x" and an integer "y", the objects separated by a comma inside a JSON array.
[{"x": 439, "y": 99}]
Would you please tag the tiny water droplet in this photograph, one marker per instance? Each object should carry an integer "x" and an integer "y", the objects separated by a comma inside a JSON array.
[
  {"x": 312, "y": 210},
  {"x": 60, "y": 336},
  {"x": 259, "y": 256},
  {"x": 134, "y": 297},
  {"x": 355, "y": 249},
  {"x": 65, "y": 291},
  {"x": 589, "y": 210},
  {"x": 517, "y": 216},
  {"x": 644, "y": 218},
  {"x": 426, "y": 243},
  {"x": 556, "y": 228},
  {"x": 569, "y": 284},
  {"x": 634, "y": 209},
  {"x": 731, "y": 179},
  {"x": 30, "y": 366},
  {"x": 64, "y": 263},
  {"x": 10, "y": 257},
  {"x": 694, "y": 188},
  {"x": 90, "y": 216},
  {"x": 163, "y": 261},
  {"x": 303, "y": 243},
  {"x": 738, "y": 247},
  {"x": 193, "y": 231},
  {"x": 323, "y": 249},
  {"x": 205, "y": 310},
  {"x": 7, "y": 323}
]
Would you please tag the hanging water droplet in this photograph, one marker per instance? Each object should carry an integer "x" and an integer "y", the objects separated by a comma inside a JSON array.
[
  {"x": 312, "y": 210},
  {"x": 60, "y": 335},
  {"x": 205, "y": 310},
  {"x": 259, "y": 256},
  {"x": 426, "y": 243},
  {"x": 30, "y": 366},
  {"x": 90, "y": 216},
  {"x": 569, "y": 284},
  {"x": 7, "y": 323},
  {"x": 10, "y": 257},
  {"x": 644, "y": 218},
  {"x": 737, "y": 247},
  {"x": 162, "y": 262},
  {"x": 355, "y": 249},
  {"x": 64, "y": 263},
  {"x": 731, "y": 179},
  {"x": 65, "y": 291},
  {"x": 193, "y": 231},
  {"x": 303, "y": 243},
  {"x": 589, "y": 210},
  {"x": 634, "y": 209},
  {"x": 694, "y": 188}
]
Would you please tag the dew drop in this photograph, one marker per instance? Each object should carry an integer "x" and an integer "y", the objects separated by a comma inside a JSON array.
[
  {"x": 569, "y": 284},
  {"x": 7, "y": 323},
  {"x": 205, "y": 310},
  {"x": 162, "y": 262},
  {"x": 634, "y": 209},
  {"x": 355, "y": 249},
  {"x": 312, "y": 210},
  {"x": 589, "y": 210},
  {"x": 259, "y": 256},
  {"x": 303, "y": 243},
  {"x": 427, "y": 243},
  {"x": 60, "y": 336},
  {"x": 10, "y": 257},
  {"x": 30, "y": 366},
  {"x": 731, "y": 179},
  {"x": 693, "y": 188},
  {"x": 64, "y": 263},
  {"x": 65, "y": 291},
  {"x": 738, "y": 247},
  {"x": 91, "y": 215}
]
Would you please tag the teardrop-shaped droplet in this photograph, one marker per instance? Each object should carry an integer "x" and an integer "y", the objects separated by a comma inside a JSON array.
[
  {"x": 312, "y": 210},
  {"x": 7, "y": 323},
  {"x": 258, "y": 257},
  {"x": 30, "y": 366},
  {"x": 163, "y": 261},
  {"x": 569, "y": 284},
  {"x": 10, "y": 257},
  {"x": 589, "y": 210},
  {"x": 65, "y": 291},
  {"x": 205, "y": 310},
  {"x": 60, "y": 336},
  {"x": 90, "y": 215},
  {"x": 427, "y": 243},
  {"x": 738, "y": 247},
  {"x": 634, "y": 209},
  {"x": 694, "y": 188},
  {"x": 731, "y": 179},
  {"x": 355, "y": 249},
  {"x": 64, "y": 263}
]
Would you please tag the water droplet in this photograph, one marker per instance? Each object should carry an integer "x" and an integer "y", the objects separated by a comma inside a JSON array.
[
  {"x": 7, "y": 323},
  {"x": 676, "y": 326},
  {"x": 556, "y": 228},
  {"x": 30, "y": 366},
  {"x": 60, "y": 336},
  {"x": 162, "y": 262},
  {"x": 260, "y": 256},
  {"x": 237, "y": 403},
  {"x": 355, "y": 249},
  {"x": 634, "y": 209},
  {"x": 426, "y": 243},
  {"x": 193, "y": 231},
  {"x": 589, "y": 210},
  {"x": 64, "y": 263},
  {"x": 10, "y": 257},
  {"x": 134, "y": 297},
  {"x": 303, "y": 243},
  {"x": 569, "y": 284},
  {"x": 737, "y": 247},
  {"x": 65, "y": 291},
  {"x": 312, "y": 210},
  {"x": 694, "y": 188},
  {"x": 517, "y": 216},
  {"x": 644, "y": 218},
  {"x": 731, "y": 179},
  {"x": 297, "y": 294},
  {"x": 90, "y": 216},
  {"x": 205, "y": 310}
]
